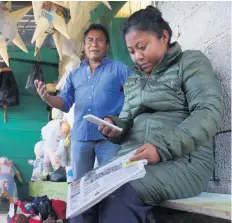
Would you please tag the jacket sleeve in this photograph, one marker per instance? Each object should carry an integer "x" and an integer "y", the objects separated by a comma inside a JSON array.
[
  {"x": 124, "y": 121},
  {"x": 204, "y": 98}
]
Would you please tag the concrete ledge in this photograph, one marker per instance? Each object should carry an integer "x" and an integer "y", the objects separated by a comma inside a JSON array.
[
  {"x": 53, "y": 190},
  {"x": 210, "y": 204}
]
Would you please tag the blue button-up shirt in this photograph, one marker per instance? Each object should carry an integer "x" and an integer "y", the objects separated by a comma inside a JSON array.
[{"x": 99, "y": 94}]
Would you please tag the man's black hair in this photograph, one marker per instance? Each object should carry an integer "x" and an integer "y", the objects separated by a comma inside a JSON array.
[{"x": 99, "y": 27}]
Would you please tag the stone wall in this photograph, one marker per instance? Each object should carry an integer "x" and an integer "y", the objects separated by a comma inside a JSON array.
[{"x": 206, "y": 26}]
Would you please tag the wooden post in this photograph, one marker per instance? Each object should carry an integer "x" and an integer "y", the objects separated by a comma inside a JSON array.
[{"x": 5, "y": 113}]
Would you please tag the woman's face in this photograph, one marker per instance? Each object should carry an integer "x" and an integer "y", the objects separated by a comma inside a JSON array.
[{"x": 145, "y": 49}]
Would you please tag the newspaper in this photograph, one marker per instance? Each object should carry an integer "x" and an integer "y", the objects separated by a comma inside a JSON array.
[{"x": 100, "y": 182}]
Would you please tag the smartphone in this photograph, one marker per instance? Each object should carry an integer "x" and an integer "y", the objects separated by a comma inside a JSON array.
[{"x": 98, "y": 121}]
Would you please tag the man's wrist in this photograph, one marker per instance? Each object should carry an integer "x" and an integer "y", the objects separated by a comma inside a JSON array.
[{"x": 46, "y": 98}]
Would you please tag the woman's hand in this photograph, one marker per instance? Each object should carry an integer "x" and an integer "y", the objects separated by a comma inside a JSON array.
[
  {"x": 148, "y": 152},
  {"x": 108, "y": 131}
]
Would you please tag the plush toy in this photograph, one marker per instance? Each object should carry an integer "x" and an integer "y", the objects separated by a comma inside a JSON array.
[
  {"x": 59, "y": 155},
  {"x": 61, "y": 152},
  {"x": 56, "y": 114},
  {"x": 56, "y": 144},
  {"x": 38, "y": 162},
  {"x": 50, "y": 134},
  {"x": 69, "y": 117},
  {"x": 8, "y": 187}
]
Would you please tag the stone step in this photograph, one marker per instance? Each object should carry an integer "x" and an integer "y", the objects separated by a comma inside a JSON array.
[{"x": 210, "y": 204}]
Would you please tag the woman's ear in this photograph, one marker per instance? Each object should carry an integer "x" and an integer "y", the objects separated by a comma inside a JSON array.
[{"x": 165, "y": 36}]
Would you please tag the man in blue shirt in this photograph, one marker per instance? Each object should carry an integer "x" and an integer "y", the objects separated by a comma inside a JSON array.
[{"x": 96, "y": 87}]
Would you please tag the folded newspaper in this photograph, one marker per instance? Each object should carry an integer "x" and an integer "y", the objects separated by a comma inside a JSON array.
[{"x": 100, "y": 182}]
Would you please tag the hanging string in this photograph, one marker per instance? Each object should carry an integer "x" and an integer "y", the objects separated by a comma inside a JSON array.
[{"x": 38, "y": 57}]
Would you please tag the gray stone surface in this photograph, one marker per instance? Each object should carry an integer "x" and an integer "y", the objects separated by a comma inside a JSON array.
[
  {"x": 205, "y": 26},
  {"x": 222, "y": 165},
  {"x": 222, "y": 68},
  {"x": 223, "y": 156},
  {"x": 221, "y": 187}
]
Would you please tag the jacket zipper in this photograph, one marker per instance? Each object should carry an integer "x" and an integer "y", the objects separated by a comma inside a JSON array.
[
  {"x": 189, "y": 160},
  {"x": 146, "y": 133}
]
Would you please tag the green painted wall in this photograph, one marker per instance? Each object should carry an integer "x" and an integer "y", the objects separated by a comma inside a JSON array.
[
  {"x": 19, "y": 135},
  {"x": 118, "y": 46},
  {"x": 103, "y": 15}
]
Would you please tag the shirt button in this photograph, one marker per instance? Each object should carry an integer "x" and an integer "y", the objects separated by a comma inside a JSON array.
[
  {"x": 89, "y": 77},
  {"x": 90, "y": 97},
  {"x": 89, "y": 109},
  {"x": 91, "y": 86}
]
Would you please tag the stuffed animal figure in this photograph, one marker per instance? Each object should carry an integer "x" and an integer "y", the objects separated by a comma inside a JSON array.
[
  {"x": 56, "y": 114},
  {"x": 50, "y": 134},
  {"x": 64, "y": 142},
  {"x": 58, "y": 155},
  {"x": 8, "y": 187},
  {"x": 56, "y": 143},
  {"x": 38, "y": 162}
]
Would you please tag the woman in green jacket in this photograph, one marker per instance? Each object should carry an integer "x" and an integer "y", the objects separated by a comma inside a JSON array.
[{"x": 172, "y": 110}]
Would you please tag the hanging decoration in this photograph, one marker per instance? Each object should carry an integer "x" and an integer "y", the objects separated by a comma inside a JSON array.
[
  {"x": 75, "y": 7},
  {"x": 8, "y": 29},
  {"x": 50, "y": 17},
  {"x": 9, "y": 94}
]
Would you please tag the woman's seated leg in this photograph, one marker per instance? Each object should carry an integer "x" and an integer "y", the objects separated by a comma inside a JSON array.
[
  {"x": 89, "y": 216},
  {"x": 124, "y": 206}
]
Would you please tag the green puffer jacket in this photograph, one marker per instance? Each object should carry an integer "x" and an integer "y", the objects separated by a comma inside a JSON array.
[{"x": 178, "y": 109}]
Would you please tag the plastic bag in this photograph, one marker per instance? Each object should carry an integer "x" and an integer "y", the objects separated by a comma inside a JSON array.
[
  {"x": 59, "y": 175},
  {"x": 59, "y": 207},
  {"x": 45, "y": 209},
  {"x": 36, "y": 73},
  {"x": 9, "y": 94}
]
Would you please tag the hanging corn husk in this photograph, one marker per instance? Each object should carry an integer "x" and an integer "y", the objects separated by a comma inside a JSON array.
[
  {"x": 8, "y": 29},
  {"x": 50, "y": 19}
]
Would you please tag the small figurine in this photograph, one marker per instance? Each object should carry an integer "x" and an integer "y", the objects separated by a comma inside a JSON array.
[{"x": 38, "y": 162}]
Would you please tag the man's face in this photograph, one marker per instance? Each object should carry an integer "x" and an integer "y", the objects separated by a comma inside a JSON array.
[{"x": 95, "y": 45}]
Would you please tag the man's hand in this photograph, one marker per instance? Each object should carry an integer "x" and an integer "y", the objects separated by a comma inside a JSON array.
[
  {"x": 108, "y": 131},
  {"x": 148, "y": 152},
  {"x": 41, "y": 89}
]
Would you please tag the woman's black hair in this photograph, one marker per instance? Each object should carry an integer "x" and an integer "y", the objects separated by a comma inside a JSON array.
[
  {"x": 99, "y": 27},
  {"x": 148, "y": 19}
]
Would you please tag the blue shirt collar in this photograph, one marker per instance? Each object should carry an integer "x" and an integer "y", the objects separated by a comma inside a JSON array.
[{"x": 104, "y": 61}]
